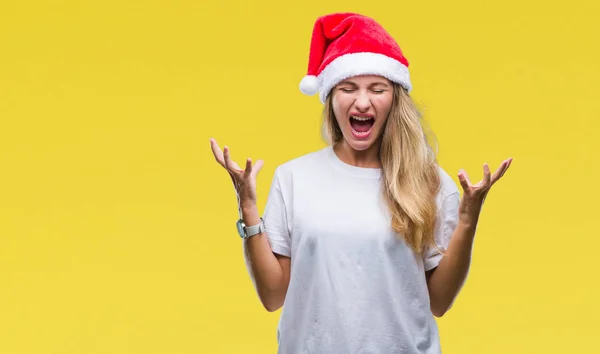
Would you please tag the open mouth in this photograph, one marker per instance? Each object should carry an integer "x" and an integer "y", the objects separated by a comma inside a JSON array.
[{"x": 361, "y": 126}]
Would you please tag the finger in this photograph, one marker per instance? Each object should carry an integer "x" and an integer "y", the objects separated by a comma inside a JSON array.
[
  {"x": 463, "y": 178},
  {"x": 231, "y": 166},
  {"x": 248, "y": 170},
  {"x": 466, "y": 177},
  {"x": 507, "y": 166},
  {"x": 501, "y": 170},
  {"x": 217, "y": 152},
  {"x": 257, "y": 167},
  {"x": 226, "y": 157},
  {"x": 498, "y": 172},
  {"x": 487, "y": 177}
]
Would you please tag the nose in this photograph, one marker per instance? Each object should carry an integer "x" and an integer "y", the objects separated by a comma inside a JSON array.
[{"x": 363, "y": 101}]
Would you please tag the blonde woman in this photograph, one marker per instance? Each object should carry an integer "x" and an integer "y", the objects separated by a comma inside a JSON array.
[{"x": 363, "y": 243}]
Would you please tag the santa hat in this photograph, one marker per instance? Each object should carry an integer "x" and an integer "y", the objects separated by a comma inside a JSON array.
[{"x": 349, "y": 44}]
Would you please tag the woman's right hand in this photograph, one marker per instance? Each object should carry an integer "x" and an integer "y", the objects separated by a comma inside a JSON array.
[{"x": 244, "y": 181}]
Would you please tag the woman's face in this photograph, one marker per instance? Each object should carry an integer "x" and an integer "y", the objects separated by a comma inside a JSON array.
[{"x": 361, "y": 105}]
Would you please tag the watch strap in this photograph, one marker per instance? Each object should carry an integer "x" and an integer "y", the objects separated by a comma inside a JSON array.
[{"x": 255, "y": 229}]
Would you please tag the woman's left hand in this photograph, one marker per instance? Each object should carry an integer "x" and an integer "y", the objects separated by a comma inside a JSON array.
[{"x": 474, "y": 194}]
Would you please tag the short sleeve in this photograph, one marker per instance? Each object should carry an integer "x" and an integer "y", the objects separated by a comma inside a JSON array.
[
  {"x": 445, "y": 225},
  {"x": 275, "y": 218}
]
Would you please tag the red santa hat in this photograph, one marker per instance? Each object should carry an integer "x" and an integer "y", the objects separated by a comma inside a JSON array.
[{"x": 349, "y": 44}]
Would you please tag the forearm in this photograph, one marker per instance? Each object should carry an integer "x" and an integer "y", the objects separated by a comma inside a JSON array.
[
  {"x": 448, "y": 278},
  {"x": 266, "y": 270}
]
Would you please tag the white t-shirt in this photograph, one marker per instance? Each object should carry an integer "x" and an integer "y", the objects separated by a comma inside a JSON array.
[{"x": 355, "y": 287}]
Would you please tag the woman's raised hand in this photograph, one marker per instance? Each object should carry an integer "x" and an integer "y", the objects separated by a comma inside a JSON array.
[{"x": 244, "y": 180}]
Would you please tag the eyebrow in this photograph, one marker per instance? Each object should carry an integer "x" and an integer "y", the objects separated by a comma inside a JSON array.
[{"x": 348, "y": 82}]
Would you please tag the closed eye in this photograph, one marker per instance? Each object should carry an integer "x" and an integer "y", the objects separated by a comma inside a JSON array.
[{"x": 348, "y": 89}]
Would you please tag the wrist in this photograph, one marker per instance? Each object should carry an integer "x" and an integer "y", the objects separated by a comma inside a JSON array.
[
  {"x": 468, "y": 222},
  {"x": 250, "y": 214},
  {"x": 247, "y": 207},
  {"x": 467, "y": 227},
  {"x": 469, "y": 213}
]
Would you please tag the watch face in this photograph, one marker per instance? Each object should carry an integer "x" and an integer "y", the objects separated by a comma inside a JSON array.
[{"x": 240, "y": 228}]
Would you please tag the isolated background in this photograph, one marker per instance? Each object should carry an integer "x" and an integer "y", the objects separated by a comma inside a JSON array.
[{"x": 117, "y": 227}]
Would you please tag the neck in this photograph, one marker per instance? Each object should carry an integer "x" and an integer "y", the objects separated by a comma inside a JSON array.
[{"x": 368, "y": 158}]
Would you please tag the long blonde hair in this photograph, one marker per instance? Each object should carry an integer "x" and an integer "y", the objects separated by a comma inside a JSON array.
[{"x": 410, "y": 176}]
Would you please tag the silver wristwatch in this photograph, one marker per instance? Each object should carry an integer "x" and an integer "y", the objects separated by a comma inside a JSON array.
[{"x": 249, "y": 231}]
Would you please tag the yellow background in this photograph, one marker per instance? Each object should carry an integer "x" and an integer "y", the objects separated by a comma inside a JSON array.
[{"x": 117, "y": 226}]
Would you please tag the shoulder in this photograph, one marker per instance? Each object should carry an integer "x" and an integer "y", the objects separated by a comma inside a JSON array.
[{"x": 308, "y": 163}]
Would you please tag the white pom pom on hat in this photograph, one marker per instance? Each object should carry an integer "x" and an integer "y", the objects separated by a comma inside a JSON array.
[
  {"x": 349, "y": 44},
  {"x": 309, "y": 85}
]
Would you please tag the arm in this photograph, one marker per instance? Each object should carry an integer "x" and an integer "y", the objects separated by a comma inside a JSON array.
[
  {"x": 446, "y": 280},
  {"x": 270, "y": 272}
]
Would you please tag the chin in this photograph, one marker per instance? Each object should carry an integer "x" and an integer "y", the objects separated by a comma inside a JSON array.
[{"x": 360, "y": 145}]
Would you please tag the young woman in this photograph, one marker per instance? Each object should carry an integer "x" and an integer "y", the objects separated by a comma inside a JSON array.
[{"x": 365, "y": 241}]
